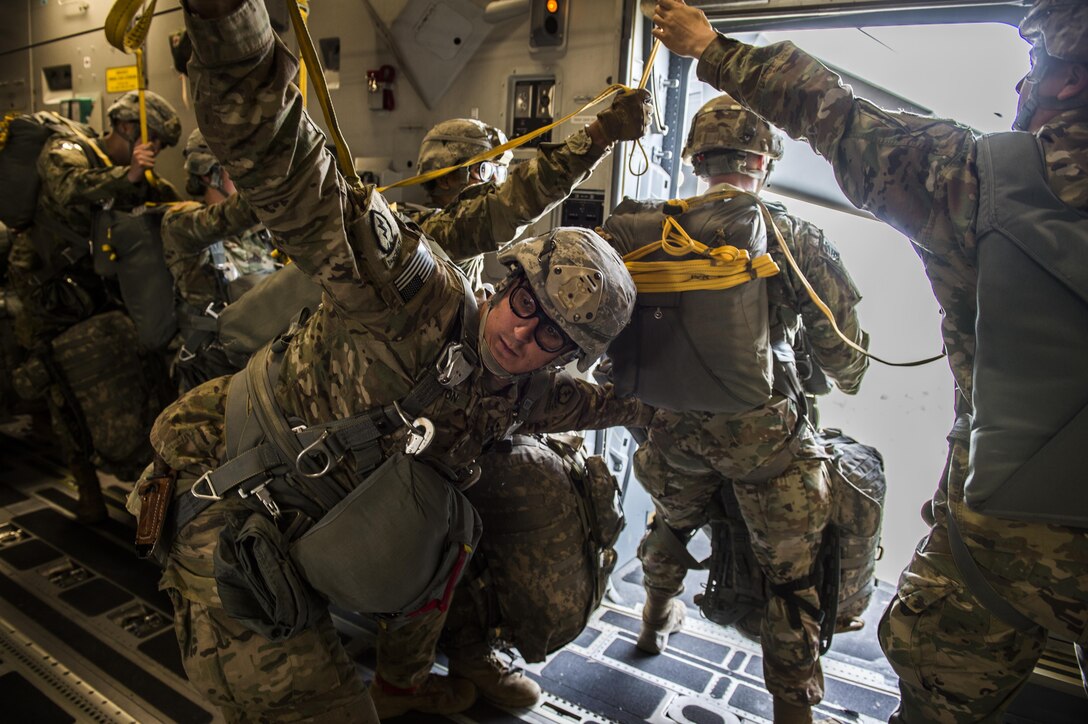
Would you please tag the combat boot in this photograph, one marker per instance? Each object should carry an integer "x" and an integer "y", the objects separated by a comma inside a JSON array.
[
  {"x": 750, "y": 625},
  {"x": 91, "y": 508},
  {"x": 495, "y": 681},
  {"x": 436, "y": 695},
  {"x": 661, "y": 615}
]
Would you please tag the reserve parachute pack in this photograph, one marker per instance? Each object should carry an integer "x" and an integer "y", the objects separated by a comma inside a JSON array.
[
  {"x": 1030, "y": 417},
  {"x": 846, "y": 571},
  {"x": 265, "y": 311},
  {"x": 128, "y": 246},
  {"x": 22, "y": 137},
  {"x": 699, "y": 338},
  {"x": 551, "y": 517}
]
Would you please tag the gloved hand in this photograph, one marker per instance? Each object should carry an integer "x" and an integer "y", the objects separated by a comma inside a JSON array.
[{"x": 628, "y": 116}]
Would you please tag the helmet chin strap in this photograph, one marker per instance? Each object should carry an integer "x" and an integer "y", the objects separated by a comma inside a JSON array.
[
  {"x": 1031, "y": 102},
  {"x": 490, "y": 363}
]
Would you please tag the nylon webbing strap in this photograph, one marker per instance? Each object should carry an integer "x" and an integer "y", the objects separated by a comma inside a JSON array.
[
  {"x": 677, "y": 549},
  {"x": 979, "y": 586}
]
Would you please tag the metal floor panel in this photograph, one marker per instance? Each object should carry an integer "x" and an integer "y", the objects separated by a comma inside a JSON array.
[{"x": 86, "y": 636}]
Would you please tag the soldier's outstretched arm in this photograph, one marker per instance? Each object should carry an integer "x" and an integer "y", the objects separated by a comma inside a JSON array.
[
  {"x": 251, "y": 114},
  {"x": 913, "y": 172},
  {"x": 72, "y": 181},
  {"x": 190, "y": 228},
  {"x": 574, "y": 404},
  {"x": 485, "y": 218},
  {"x": 252, "y": 118}
]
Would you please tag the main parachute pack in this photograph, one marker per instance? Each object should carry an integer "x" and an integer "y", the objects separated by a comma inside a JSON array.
[
  {"x": 22, "y": 137},
  {"x": 699, "y": 338}
]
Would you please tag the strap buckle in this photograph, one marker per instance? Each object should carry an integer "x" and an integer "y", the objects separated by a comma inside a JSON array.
[
  {"x": 420, "y": 432},
  {"x": 454, "y": 365},
  {"x": 205, "y": 479},
  {"x": 313, "y": 450},
  {"x": 263, "y": 495},
  {"x": 184, "y": 355},
  {"x": 209, "y": 311}
]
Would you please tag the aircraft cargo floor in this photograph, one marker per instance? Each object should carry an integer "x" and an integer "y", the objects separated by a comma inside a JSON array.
[{"x": 85, "y": 636}]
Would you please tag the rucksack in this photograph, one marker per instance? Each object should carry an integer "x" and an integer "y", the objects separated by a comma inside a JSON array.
[
  {"x": 551, "y": 517},
  {"x": 705, "y": 349},
  {"x": 22, "y": 137},
  {"x": 112, "y": 383},
  {"x": 736, "y": 585}
]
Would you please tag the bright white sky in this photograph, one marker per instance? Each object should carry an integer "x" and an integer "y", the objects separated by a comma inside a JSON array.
[{"x": 966, "y": 72}]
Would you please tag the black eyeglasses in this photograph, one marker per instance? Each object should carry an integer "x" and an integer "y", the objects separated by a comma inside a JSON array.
[{"x": 548, "y": 335}]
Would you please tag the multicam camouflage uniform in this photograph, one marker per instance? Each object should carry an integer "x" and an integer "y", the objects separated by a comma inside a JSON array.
[
  {"x": 957, "y": 662},
  {"x": 206, "y": 280},
  {"x": 51, "y": 269},
  {"x": 392, "y": 309},
  {"x": 189, "y": 228},
  {"x": 690, "y": 455},
  {"x": 483, "y": 218},
  {"x": 486, "y": 216},
  {"x": 215, "y": 252}
]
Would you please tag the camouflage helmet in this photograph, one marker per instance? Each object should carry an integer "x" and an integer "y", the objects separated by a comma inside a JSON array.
[
  {"x": 581, "y": 284},
  {"x": 456, "y": 141},
  {"x": 723, "y": 124},
  {"x": 199, "y": 159},
  {"x": 1058, "y": 27},
  {"x": 161, "y": 116}
]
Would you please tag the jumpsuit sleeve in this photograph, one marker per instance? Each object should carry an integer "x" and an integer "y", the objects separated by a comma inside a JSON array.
[
  {"x": 574, "y": 404},
  {"x": 822, "y": 266},
  {"x": 73, "y": 182},
  {"x": 370, "y": 264},
  {"x": 918, "y": 174},
  {"x": 190, "y": 227},
  {"x": 486, "y": 216}
]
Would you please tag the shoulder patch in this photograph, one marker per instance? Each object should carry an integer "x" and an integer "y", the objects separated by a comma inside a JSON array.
[{"x": 386, "y": 233}]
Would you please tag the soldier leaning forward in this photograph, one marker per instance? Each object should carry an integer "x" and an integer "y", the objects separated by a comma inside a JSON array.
[
  {"x": 717, "y": 355},
  {"x": 85, "y": 184},
  {"x": 216, "y": 250},
  {"x": 475, "y": 210},
  {"x": 1000, "y": 223},
  {"x": 396, "y": 383}
]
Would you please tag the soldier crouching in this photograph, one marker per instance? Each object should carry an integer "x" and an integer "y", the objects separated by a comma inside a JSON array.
[{"x": 375, "y": 409}]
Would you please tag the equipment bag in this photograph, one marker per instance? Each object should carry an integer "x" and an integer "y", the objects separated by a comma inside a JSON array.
[
  {"x": 736, "y": 585},
  {"x": 100, "y": 363},
  {"x": 551, "y": 517},
  {"x": 1030, "y": 395},
  {"x": 22, "y": 137},
  {"x": 128, "y": 245},
  {"x": 706, "y": 347},
  {"x": 265, "y": 311}
]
